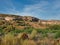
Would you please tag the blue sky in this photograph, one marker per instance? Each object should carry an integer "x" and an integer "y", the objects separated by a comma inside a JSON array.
[{"x": 43, "y": 9}]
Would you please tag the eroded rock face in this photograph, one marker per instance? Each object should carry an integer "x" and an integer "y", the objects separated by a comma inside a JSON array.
[
  {"x": 9, "y": 18},
  {"x": 35, "y": 19}
]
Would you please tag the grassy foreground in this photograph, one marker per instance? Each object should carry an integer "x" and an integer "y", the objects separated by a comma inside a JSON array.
[{"x": 31, "y": 37}]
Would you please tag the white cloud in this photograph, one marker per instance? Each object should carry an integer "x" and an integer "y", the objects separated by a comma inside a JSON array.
[
  {"x": 35, "y": 9},
  {"x": 28, "y": 9}
]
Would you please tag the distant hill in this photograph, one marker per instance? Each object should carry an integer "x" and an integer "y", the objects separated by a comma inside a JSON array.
[{"x": 22, "y": 22}]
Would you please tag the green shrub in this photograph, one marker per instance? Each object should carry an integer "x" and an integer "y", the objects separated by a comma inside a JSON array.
[
  {"x": 42, "y": 31},
  {"x": 54, "y": 27},
  {"x": 28, "y": 30},
  {"x": 57, "y": 35}
]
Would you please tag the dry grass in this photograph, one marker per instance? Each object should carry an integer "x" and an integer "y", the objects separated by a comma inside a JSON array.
[{"x": 10, "y": 39}]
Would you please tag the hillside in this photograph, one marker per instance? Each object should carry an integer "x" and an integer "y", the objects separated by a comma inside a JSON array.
[
  {"x": 22, "y": 22},
  {"x": 15, "y": 22},
  {"x": 27, "y": 30}
]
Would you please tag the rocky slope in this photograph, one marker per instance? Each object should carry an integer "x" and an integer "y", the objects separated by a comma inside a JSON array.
[{"x": 22, "y": 22}]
